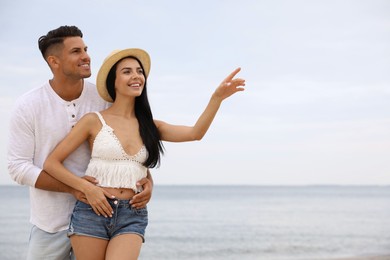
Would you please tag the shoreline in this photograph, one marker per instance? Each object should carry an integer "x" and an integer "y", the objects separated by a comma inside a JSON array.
[{"x": 378, "y": 257}]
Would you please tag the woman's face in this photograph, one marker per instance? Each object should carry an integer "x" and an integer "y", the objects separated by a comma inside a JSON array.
[{"x": 130, "y": 79}]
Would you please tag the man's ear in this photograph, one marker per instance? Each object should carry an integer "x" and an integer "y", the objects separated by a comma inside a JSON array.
[{"x": 53, "y": 61}]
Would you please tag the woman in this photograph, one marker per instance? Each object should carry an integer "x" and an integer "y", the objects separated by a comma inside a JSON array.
[{"x": 125, "y": 140}]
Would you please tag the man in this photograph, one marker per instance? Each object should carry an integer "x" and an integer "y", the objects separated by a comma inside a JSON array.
[{"x": 41, "y": 119}]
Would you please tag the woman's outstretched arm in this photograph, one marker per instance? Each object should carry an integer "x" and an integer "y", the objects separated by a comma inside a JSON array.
[{"x": 177, "y": 133}]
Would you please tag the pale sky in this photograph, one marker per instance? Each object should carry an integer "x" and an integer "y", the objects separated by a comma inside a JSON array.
[{"x": 316, "y": 109}]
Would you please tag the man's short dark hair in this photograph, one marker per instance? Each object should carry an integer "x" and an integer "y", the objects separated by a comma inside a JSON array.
[{"x": 57, "y": 36}]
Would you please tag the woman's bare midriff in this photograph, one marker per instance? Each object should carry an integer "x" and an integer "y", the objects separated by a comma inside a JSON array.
[{"x": 121, "y": 193}]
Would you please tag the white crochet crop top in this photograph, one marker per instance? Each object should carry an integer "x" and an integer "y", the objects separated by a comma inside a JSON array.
[{"x": 111, "y": 165}]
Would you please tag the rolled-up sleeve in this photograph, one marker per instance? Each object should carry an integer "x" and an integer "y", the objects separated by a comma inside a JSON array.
[{"x": 21, "y": 146}]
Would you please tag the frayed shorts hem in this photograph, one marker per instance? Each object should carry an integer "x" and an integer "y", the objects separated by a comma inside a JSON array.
[{"x": 105, "y": 238}]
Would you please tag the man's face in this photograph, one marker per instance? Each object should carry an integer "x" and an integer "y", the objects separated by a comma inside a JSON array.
[{"x": 74, "y": 59}]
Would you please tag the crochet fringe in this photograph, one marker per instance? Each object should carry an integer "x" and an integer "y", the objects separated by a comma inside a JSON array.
[{"x": 117, "y": 175}]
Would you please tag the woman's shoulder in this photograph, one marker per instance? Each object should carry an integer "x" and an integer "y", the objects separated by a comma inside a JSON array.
[
  {"x": 89, "y": 123},
  {"x": 90, "y": 118}
]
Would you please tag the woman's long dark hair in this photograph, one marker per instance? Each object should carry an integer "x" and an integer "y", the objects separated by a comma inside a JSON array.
[{"x": 148, "y": 130}]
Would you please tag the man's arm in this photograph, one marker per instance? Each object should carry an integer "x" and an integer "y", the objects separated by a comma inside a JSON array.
[
  {"x": 141, "y": 199},
  {"x": 21, "y": 147},
  {"x": 20, "y": 154},
  {"x": 46, "y": 182}
]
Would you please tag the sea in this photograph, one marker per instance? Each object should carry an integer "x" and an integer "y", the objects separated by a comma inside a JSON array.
[{"x": 241, "y": 222}]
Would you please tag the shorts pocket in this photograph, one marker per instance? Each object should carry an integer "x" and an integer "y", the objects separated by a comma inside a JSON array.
[
  {"x": 141, "y": 211},
  {"x": 82, "y": 206}
]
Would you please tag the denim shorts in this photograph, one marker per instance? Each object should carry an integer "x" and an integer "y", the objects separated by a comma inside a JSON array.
[{"x": 124, "y": 220}]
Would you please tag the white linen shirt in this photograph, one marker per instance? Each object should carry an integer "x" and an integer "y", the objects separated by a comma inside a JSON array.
[{"x": 40, "y": 120}]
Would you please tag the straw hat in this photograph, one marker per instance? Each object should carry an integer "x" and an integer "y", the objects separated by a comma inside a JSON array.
[{"x": 110, "y": 61}]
